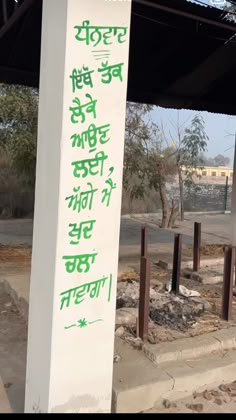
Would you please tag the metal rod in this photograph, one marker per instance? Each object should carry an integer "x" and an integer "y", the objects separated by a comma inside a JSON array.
[
  {"x": 176, "y": 263},
  {"x": 226, "y": 193},
  {"x": 235, "y": 273},
  {"x": 196, "y": 246},
  {"x": 4, "y": 10},
  {"x": 144, "y": 295},
  {"x": 22, "y": 9},
  {"x": 144, "y": 239},
  {"x": 16, "y": 5},
  {"x": 228, "y": 283},
  {"x": 186, "y": 14}
]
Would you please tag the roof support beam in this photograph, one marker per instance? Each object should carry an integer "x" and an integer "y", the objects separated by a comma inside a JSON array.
[
  {"x": 16, "y": 16},
  {"x": 185, "y": 14},
  {"x": 203, "y": 77}
]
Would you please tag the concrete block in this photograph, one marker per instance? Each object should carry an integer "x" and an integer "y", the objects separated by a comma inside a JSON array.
[
  {"x": 137, "y": 382},
  {"x": 226, "y": 338},
  {"x": 197, "y": 375},
  {"x": 184, "y": 349}
]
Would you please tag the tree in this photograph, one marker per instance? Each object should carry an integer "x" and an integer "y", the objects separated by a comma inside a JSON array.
[
  {"x": 152, "y": 159},
  {"x": 160, "y": 169},
  {"x": 147, "y": 162},
  {"x": 190, "y": 142},
  {"x": 218, "y": 160},
  {"x": 18, "y": 128},
  {"x": 139, "y": 130},
  {"x": 193, "y": 143}
]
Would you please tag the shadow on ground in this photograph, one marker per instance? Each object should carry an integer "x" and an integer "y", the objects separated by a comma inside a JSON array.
[{"x": 13, "y": 345}]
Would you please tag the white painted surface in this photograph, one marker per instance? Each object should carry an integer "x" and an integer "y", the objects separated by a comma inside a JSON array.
[{"x": 70, "y": 370}]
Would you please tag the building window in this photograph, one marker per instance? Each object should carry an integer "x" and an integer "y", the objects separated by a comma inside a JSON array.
[
  {"x": 213, "y": 174},
  {"x": 204, "y": 173},
  {"x": 223, "y": 174}
]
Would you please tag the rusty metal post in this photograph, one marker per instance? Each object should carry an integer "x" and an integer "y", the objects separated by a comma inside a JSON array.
[
  {"x": 144, "y": 297},
  {"x": 234, "y": 272},
  {"x": 176, "y": 263},
  {"x": 144, "y": 240},
  {"x": 228, "y": 282},
  {"x": 196, "y": 246}
]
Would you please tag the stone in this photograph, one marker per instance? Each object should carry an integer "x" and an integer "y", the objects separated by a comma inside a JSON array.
[
  {"x": 153, "y": 336},
  {"x": 127, "y": 294},
  {"x": 224, "y": 388},
  {"x": 218, "y": 401},
  {"x": 116, "y": 358},
  {"x": 195, "y": 407},
  {"x": 136, "y": 342},
  {"x": 167, "y": 403},
  {"x": 196, "y": 276},
  {"x": 183, "y": 291},
  {"x": 188, "y": 293},
  {"x": 126, "y": 316},
  {"x": 163, "y": 264},
  {"x": 209, "y": 279},
  {"x": 187, "y": 273},
  {"x": 207, "y": 305},
  {"x": 7, "y": 385},
  {"x": 157, "y": 285},
  {"x": 233, "y": 386},
  {"x": 216, "y": 393},
  {"x": 207, "y": 395},
  {"x": 120, "y": 331}
]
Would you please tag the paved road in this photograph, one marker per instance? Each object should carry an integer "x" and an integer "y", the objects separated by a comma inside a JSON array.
[
  {"x": 215, "y": 229},
  {"x": 19, "y": 231}
]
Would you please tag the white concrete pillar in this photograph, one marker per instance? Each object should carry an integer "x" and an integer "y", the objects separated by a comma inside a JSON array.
[{"x": 83, "y": 85}]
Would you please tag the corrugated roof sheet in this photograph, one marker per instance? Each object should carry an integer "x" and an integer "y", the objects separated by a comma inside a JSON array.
[{"x": 174, "y": 61}]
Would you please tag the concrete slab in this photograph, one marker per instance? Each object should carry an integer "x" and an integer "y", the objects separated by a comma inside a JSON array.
[
  {"x": 183, "y": 349},
  {"x": 201, "y": 374},
  {"x": 5, "y": 404},
  {"x": 137, "y": 383},
  {"x": 226, "y": 338},
  {"x": 17, "y": 284},
  {"x": 205, "y": 262}
]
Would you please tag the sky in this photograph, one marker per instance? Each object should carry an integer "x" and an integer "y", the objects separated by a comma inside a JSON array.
[{"x": 219, "y": 128}]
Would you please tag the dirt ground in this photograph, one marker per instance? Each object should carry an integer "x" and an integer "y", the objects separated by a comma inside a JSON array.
[
  {"x": 218, "y": 400},
  {"x": 13, "y": 340},
  {"x": 210, "y": 320},
  {"x": 19, "y": 254}
]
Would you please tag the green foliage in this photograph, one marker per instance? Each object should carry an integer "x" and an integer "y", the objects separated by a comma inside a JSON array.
[
  {"x": 194, "y": 143},
  {"x": 139, "y": 131},
  {"x": 218, "y": 160},
  {"x": 18, "y": 128}
]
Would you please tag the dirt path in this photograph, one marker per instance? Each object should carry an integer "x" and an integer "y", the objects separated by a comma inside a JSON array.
[
  {"x": 218, "y": 400},
  {"x": 13, "y": 339}
]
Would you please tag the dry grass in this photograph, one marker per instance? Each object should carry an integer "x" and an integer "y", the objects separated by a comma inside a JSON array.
[
  {"x": 212, "y": 250},
  {"x": 18, "y": 254},
  {"x": 207, "y": 250},
  {"x": 132, "y": 276}
]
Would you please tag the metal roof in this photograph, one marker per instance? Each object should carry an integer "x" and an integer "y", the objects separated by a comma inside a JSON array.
[{"x": 182, "y": 55}]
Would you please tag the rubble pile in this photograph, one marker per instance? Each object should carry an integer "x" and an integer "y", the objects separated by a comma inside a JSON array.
[{"x": 166, "y": 309}]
